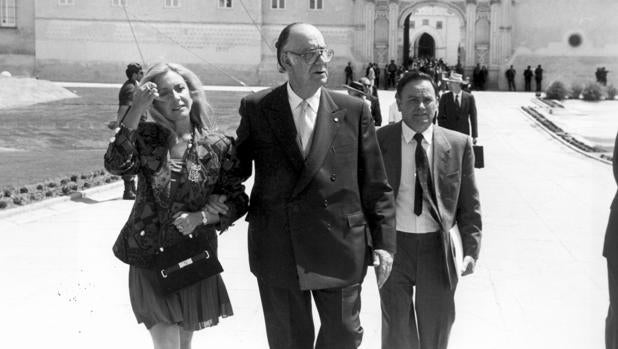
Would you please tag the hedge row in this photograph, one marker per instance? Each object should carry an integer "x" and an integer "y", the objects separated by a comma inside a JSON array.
[
  {"x": 11, "y": 196},
  {"x": 592, "y": 91}
]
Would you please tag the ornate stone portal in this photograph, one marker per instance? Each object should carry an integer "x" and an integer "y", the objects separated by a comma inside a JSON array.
[{"x": 383, "y": 27}]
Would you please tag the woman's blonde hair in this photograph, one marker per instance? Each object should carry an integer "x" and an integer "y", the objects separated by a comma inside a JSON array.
[{"x": 200, "y": 114}]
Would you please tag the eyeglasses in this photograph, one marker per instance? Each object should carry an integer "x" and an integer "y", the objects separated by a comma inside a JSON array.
[{"x": 312, "y": 56}]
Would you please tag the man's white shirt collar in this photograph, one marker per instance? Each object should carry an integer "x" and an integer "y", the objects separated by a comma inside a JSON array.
[
  {"x": 295, "y": 101},
  {"x": 408, "y": 133}
]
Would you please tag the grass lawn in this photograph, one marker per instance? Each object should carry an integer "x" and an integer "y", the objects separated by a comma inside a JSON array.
[{"x": 61, "y": 138}]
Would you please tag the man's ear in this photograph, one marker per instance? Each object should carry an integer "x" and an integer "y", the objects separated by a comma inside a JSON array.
[{"x": 398, "y": 101}]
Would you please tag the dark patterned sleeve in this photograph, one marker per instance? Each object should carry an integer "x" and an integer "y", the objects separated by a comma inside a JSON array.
[
  {"x": 230, "y": 184},
  {"x": 132, "y": 151},
  {"x": 121, "y": 157}
]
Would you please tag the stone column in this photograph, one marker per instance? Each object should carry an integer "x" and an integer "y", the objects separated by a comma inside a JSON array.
[
  {"x": 470, "y": 32},
  {"x": 494, "y": 36},
  {"x": 506, "y": 29},
  {"x": 360, "y": 33},
  {"x": 370, "y": 15},
  {"x": 393, "y": 30}
]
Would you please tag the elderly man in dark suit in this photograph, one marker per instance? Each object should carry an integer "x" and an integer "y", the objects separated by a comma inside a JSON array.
[
  {"x": 321, "y": 208},
  {"x": 431, "y": 170},
  {"x": 610, "y": 252},
  {"x": 457, "y": 109}
]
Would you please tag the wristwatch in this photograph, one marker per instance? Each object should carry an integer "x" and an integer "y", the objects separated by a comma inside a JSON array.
[{"x": 204, "y": 218}]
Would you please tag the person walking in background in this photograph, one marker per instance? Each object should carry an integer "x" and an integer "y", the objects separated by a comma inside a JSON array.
[
  {"x": 476, "y": 77},
  {"x": 392, "y": 74},
  {"x": 134, "y": 74},
  {"x": 457, "y": 108},
  {"x": 538, "y": 77},
  {"x": 372, "y": 95},
  {"x": 483, "y": 77},
  {"x": 528, "y": 79},
  {"x": 189, "y": 187},
  {"x": 321, "y": 208},
  {"x": 376, "y": 69},
  {"x": 510, "y": 78},
  {"x": 349, "y": 73},
  {"x": 418, "y": 307},
  {"x": 610, "y": 252},
  {"x": 371, "y": 74}
]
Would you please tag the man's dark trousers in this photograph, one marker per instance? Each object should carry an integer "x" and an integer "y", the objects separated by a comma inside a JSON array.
[
  {"x": 288, "y": 316},
  {"x": 418, "y": 266}
]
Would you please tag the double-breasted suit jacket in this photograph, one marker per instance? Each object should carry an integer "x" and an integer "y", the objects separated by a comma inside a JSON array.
[
  {"x": 452, "y": 172},
  {"x": 610, "y": 245},
  {"x": 460, "y": 118},
  {"x": 313, "y": 221}
]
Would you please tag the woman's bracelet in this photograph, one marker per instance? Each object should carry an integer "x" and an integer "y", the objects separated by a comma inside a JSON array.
[{"x": 204, "y": 218}]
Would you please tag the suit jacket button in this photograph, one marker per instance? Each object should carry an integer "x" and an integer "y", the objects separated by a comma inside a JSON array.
[
  {"x": 333, "y": 177},
  {"x": 325, "y": 204}
]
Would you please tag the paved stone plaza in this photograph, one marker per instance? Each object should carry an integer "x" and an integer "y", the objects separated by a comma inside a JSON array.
[{"x": 540, "y": 281}]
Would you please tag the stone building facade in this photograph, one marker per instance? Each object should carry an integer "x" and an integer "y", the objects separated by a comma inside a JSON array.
[{"x": 232, "y": 41}]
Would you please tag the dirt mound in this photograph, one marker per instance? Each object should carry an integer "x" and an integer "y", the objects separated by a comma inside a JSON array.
[{"x": 17, "y": 92}]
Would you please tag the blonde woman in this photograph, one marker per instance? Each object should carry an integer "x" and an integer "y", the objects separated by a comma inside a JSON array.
[{"x": 188, "y": 185}]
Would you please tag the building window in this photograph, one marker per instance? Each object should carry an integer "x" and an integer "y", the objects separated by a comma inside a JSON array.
[
  {"x": 7, "y": 13},
  {"x": 119, "y": 3},
  {"x": 425, "y": 22},
  {"x": 66, "y": 2},
  {"x": 315, "y": 4},
  {"x": 171, "y": 4},
  {"x": 225, "y": 3},
  {"x": 439, "y": 25},
  {"x": 278, "y": 4}
]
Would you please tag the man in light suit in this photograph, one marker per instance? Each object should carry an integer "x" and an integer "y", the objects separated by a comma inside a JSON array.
[
  {"x": 610, "y": 252},
  {"x": 321, "y": 208},
  {"x": 457, "y": 109},
  {"x": 431, "y": 170}
]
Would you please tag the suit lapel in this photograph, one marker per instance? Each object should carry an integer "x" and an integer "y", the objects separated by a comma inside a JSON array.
[
  {"x": 441, "y": 154},
  {"x": 391, "y": 150},
  {"x": 328, "y": 121},
  {"x": 282, "y": 123}
]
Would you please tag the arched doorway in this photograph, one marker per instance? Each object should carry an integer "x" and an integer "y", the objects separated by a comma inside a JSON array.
[{"x": 425, "y": 46}]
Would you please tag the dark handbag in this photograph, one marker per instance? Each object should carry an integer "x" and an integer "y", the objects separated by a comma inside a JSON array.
[
  {"x": 479, "y": 157},
  {"x": 185, "y": 264}
]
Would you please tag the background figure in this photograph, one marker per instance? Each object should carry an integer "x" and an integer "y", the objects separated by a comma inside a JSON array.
[
  {"x": 510, "y": 78},
  {"x": 528, "y": 79},
  {"x": 125, "y": 99},
  {"x": 376, "y": 69},
  {"x": 392, "y": 73},
  {"x": 321, "y": 208},
  {"x": 418, "y": 307},
  {"x": 476, "y": 77},
  {"x": 372, "y": 94},
  {"x": 188, "y": 185},
  {"x": 349, "y": 73},
  {"x": 457, "y": 108},
  {"x": 538, "y": 77},
  {"x": 483, "y": 77},
  {"x": 610, "y": 252},
  {"x": 371, "y": 74}
]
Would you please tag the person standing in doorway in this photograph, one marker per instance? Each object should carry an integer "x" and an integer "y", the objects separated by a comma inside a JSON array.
[
  {"x": 321, "y": 208},
  {"x": 134, "y": 74}
]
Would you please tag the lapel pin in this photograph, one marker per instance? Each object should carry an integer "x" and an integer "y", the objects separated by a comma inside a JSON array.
[{"x": 336, "y": 119}]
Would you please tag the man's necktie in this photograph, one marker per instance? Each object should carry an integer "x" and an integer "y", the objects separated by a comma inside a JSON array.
[
  {"x": 422, "y": 173},
  {"x": 304, "y": 127},
  {"x": 457, "y": 100}
]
